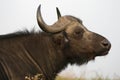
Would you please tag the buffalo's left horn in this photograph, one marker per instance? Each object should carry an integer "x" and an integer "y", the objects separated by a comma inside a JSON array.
[
  {"x": 55, "y": 28},
  {"x": 58, "y": 13}
]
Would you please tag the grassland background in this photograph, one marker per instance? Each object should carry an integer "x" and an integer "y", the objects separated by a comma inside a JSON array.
[{"x": 83, "y": 78}]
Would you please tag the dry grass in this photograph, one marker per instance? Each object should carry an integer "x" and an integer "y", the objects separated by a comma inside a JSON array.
[
  {"x": 35, "y": 77},
  {"x": 97, "y": 77}
]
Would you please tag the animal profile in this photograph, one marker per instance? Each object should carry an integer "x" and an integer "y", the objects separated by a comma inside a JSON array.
[{"x": 49, "y": 51}]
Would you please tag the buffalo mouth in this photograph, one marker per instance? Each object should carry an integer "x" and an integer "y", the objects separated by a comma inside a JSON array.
[
  {"x": 103, "y": 53},
  {"x": 97, "y": 54}
]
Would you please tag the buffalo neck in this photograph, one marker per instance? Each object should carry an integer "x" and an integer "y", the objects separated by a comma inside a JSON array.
[{"x": 49, "y": 58}]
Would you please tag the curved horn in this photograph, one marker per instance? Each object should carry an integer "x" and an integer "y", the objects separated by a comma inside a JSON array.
[
  {"x": 58, "y": 13},
  {"x": 55, "y": 28}
]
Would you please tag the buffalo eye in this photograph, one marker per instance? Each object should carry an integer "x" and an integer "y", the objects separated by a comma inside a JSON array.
[{"x": 78, "y": 33}]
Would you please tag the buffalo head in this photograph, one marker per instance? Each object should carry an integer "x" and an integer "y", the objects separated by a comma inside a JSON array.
[{"x": 79, "y": 44}]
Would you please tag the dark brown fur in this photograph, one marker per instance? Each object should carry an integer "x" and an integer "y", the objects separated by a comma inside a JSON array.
[{"x": 29, "y": 54}]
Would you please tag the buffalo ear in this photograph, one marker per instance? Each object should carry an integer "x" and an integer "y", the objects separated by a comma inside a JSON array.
[{"x": 60, "y": 39}]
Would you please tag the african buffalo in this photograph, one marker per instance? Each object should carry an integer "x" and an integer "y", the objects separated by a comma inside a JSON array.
[{"x": 47, "y": 52}]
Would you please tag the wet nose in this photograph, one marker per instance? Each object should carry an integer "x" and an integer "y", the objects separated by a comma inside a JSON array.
[{"x": 106, "y": 44}]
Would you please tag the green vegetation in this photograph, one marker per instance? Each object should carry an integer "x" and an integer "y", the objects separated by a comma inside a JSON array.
[
  {"x": 61, "y": 78},
  {"x": 95, "y": 78}
]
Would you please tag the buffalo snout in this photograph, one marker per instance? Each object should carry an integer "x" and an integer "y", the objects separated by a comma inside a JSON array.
[{"x": 106, "y": 44}]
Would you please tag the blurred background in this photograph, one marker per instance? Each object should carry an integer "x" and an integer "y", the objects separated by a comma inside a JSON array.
[{"x": 101, "y": 16}]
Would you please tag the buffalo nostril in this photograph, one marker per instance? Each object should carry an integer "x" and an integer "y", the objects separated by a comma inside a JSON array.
[{"x": 106, "y": 44}]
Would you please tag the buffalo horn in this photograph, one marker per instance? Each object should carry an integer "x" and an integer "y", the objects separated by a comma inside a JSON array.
[
  {"x": 58, "y": 13},
  {"x": 55, "y": 28}
]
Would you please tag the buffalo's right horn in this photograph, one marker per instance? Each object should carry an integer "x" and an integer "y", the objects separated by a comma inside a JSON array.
[{"x": 55, "y": 28}]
